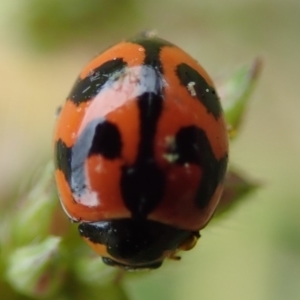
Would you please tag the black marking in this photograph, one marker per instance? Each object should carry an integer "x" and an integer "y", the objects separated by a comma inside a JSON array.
[
  {"x": 99, "y": 137},
  {"x": 204, "y": 93},
  {"x": 139, "y": 244},
  {"x": 193, "y": 147},
  {"x": 150, "y": 108},
  {"x": 142, "y": 184},
  {"x": 213, "y": 175},
  {"x": 152, "y": 46},
  {"x": 63, "y": 158},
  {"x": 87, "y": 88},
  {"x": 106, "y": 141}
]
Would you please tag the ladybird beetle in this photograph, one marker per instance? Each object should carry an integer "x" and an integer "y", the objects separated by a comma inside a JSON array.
[{"x": 141, "y": 151}]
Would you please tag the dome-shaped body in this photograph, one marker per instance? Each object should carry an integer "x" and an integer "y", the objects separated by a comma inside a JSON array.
[{"x": 141, "y": 152}]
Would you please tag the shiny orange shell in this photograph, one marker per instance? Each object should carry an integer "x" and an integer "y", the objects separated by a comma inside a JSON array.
[{"x": 142, "y": 135}]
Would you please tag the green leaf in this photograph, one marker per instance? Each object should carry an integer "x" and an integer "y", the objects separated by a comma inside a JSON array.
[
  {"x": 35, "y": 270},
  {"x": 236, "y": 188},
  {"x": 34, "y": 216},
  {"x": 91, "y": 270},
  {"x": 53, "y": 23},
  {"x": 235, "y": 92},
  {"x": 94, "y": 279}
]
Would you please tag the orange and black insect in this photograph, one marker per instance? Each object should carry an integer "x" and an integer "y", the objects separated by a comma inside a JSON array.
[{"x": 141, "y": 152}]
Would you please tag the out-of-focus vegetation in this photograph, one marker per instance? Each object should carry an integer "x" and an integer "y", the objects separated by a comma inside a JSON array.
[
  {"x": 55, "y": 23},
  {"x": 253, "y": 253}
]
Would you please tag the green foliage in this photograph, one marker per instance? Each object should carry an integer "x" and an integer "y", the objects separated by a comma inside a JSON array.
[
  {"x": 57, "y": 22},
  {"x": 34, "y": 269},
  {"x": 235, "y": 92}
]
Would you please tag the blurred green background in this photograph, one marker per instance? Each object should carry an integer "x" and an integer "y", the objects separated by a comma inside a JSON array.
[{"x": 255, "y": 252}]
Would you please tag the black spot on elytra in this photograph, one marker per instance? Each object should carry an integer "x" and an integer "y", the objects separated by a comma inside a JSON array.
[
  {"x": 204, "y": 93},
  {"x": 150, "y": 107},
  {"x": 142, "y": 183},
  {"x": 63, "y": 158},
  {"x": 106, "y": 141},
  {"x": 142, "y": 186},
  {"x": 193, "y": 147},
  {"x": 152, "y": 46},
  {"x": 87, "y": 88},
  {"x": 214, "y": 174},
  {"x": 99, "y": 137}
]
